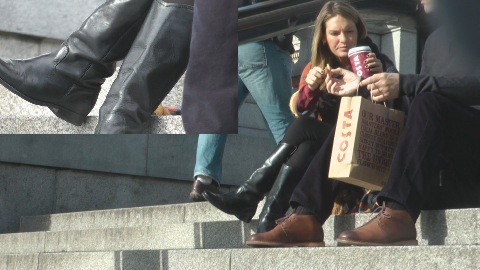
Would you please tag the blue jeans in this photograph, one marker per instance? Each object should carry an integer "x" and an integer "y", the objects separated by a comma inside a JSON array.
[{"x": 264, "y": 71}]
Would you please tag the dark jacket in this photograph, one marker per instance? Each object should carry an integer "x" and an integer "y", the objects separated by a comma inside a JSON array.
[{"x": 447, "y": 69}]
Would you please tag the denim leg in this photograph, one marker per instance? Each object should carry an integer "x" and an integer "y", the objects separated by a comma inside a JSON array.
[
  {"x": 242, "y": 92},
  {"x": 265, "y": 72},
  {"x": 209, "y": 155},
  {"x": 266, "y": 69},
  {"x": 210, "y": 147}
]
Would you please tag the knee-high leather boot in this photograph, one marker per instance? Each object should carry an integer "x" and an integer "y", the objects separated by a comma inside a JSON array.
[
  {"x": 244, "y": 201},
  {"x": 277, "y": 201},
  {"x": 68, "y": 81},
  {"x": 157, "y": 60}
]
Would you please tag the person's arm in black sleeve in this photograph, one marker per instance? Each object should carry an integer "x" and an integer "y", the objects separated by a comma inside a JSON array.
[{"x": 464, "y": 89}]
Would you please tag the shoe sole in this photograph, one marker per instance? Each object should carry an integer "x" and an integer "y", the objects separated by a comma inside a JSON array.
[
  {"x": 261, "y": 244},
  {"x": 69, "y": 116},
  {"x": 356, "y": 243},
  {"x": 244, "y": 215},
  {"x": 59, "y": 111}
]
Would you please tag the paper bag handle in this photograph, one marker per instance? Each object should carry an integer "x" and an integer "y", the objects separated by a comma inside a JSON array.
[{"x": 371, "y": 96}]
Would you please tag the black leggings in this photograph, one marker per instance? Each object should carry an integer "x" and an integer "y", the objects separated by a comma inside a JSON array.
[{"x": 308, "y": 135}]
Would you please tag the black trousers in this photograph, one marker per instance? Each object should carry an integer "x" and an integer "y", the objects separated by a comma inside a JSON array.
[
  {"x": 316, "y": 191},
  {"x": 440, "y": 138},
  {"x": 211, "y": 80},
  {"x": 437, "y": 161}
]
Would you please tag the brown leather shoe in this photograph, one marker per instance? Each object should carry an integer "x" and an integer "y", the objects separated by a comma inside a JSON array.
[
  {"x": 292, "y": 231},
  {"x": 389, "y": 228},
  {"x": 199, "y": 187}
]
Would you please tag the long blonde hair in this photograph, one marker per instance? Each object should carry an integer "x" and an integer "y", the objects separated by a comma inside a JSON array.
[{"x": 321, "y": 54}]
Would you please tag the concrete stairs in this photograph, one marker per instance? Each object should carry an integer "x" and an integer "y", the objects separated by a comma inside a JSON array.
[
  {"x": 18, "y": 116},
  {"x": 197, "y": 236}
]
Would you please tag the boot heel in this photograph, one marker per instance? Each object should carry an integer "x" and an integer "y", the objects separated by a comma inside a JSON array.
[
  {"x": 69, "y": 116},
  {"x": 247, "y": 214}
]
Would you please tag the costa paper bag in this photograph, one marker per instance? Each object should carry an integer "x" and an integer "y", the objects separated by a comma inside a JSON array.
[{"x": 366, "y": 136}]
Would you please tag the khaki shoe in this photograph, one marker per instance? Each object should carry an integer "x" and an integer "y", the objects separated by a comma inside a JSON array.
[
  {"x": 389, "y": 228},
  {"x": 292, "y": 231}
]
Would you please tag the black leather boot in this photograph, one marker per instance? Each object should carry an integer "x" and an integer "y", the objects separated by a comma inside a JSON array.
[
  {"x": 244, "y": 201},
  {"x": 277, "y": 201},
  {"x": 68, "y": 81},
  {"x": 157, "y": 60}
]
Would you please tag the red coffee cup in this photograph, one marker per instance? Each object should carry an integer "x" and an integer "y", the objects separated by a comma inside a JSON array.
[{"x": 357, "y": 58}]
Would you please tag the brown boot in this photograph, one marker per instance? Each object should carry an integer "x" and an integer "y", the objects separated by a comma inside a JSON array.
[
  {"x": 293, "y": 231},
  {"x": 389, "y": 228}
]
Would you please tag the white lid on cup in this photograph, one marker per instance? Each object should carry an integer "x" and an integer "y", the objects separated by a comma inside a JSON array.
[{"x": 358, "y": 50}]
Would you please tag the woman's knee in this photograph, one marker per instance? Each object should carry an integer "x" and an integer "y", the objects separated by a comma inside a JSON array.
[{"x": 296, "y": 131}]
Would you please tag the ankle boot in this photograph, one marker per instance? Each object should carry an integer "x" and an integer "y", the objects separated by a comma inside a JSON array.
[
  {"x": 68, "y": 81},
  {"x": 243, "y": 202},
  {"x": 277, "y": 201},
  {"x": 157, "y": 60},
  {"x": 293, "y": 230},
  {"x": 389, "y": 228}
]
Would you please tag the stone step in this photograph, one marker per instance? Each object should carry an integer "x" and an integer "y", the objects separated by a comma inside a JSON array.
[
  {"x": 18, "y": 116},
  {"x": 50, "y": 124},
  {"x": 435, "y": 227},
  {"x": 421, "y": 257},
  {"x": 203, "y": 235},
  {"x": 117, "y": 260},
  {"x": 126, "y": 217},
  {"x": 440, "y": 227},
  {"x": 12, "y": 105}
]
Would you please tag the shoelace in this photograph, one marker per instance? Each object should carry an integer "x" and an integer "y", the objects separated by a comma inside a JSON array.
[
  {"x": 283, "y": 220},
  {"x": 381, "y": 213}
]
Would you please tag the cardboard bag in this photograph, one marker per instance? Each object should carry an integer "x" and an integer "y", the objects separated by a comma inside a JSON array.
[{"x": 366, "y": 136}]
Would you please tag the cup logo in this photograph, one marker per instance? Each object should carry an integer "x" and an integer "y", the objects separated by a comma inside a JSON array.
[{"x": 358, "y": 66}]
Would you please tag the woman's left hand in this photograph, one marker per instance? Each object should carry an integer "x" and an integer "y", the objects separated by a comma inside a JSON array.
[{"x": 373, "y": 64}]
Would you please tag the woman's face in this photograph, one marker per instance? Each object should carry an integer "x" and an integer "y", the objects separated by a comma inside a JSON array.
[{"x": 340, "y": 35}]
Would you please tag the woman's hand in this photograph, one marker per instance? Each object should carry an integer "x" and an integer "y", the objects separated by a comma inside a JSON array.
[
  {"x": 315, "y": 77},
  {"x": 345, "y": 85},
  {"x": 373, "y": 64}
]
